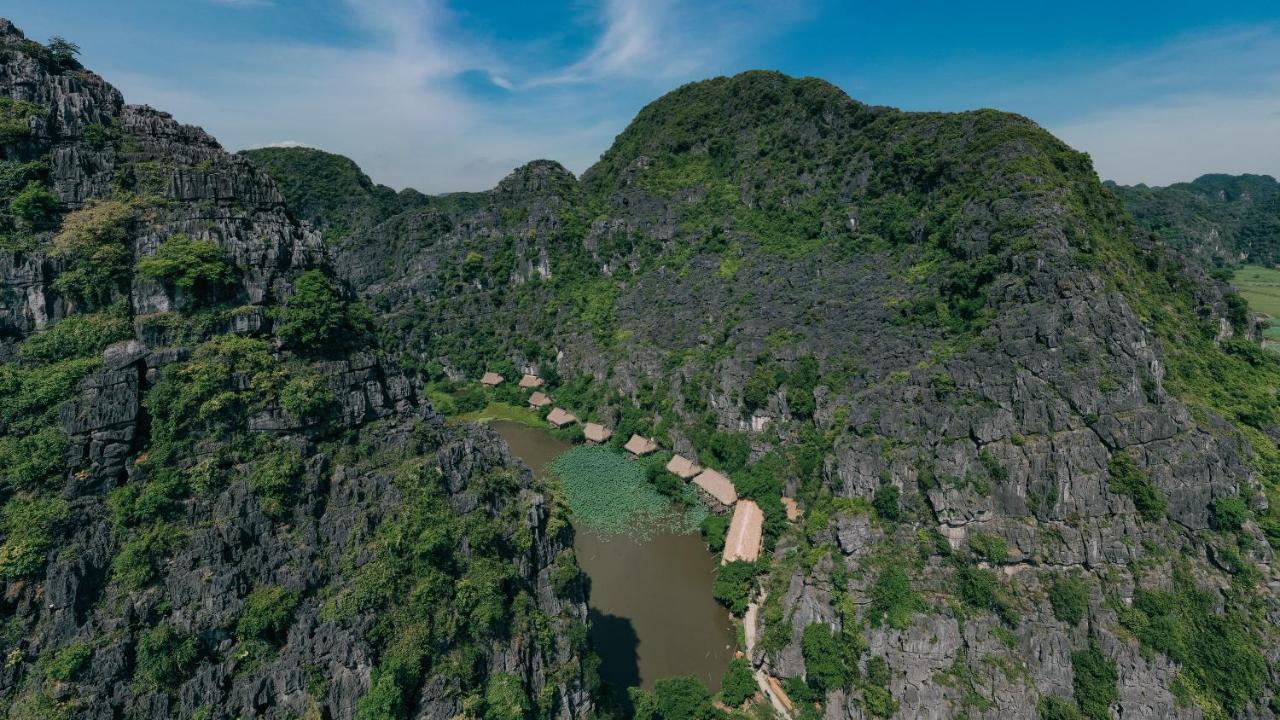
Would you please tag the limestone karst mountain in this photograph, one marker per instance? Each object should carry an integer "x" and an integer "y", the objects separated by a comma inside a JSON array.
[
  {"x": 1035, "y": 451},
  {"x": 219, "y": 500}
]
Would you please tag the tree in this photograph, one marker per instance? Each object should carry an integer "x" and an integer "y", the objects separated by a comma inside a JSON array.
[
  {"x": 732, "y": 586},
  {"x": 677, "y": 698},
  {"x": 312, "y": 317},
  {"x": 35, "y": 207},
  {"x": 828, "y": 662},
  {"x": 194, "y": 266},
  {"x": 739, "y": 684},
  {"x": 63, "y": 53}
]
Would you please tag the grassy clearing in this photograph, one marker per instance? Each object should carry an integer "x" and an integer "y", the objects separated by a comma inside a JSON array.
[
  {"x": 1260, "y": 286},
  {"x": 608, "y": 492},
  {"x": 503, "y": 411}
]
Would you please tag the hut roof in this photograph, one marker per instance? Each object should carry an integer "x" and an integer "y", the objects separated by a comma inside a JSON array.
[
  {"x": 561, "y": 417},
  {"x": 746, "y": 529},
  {"x": 717, "y": 486},
  {"x": 595, "y": 432},
  {"x": 682, "y": 466},
  {"x": 539, "y": 399},
  {"x": 793, "y": 510},
  {"x": 638, "y": 445},
  {"x": 530, "y": 381},
  {"x": 491, "y": 378}
]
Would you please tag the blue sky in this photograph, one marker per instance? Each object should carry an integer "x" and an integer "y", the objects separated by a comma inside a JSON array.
[{"x": 443, "y": 95}]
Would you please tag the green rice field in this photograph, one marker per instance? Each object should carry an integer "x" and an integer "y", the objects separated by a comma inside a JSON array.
[{"x": 1260, "y": 286}]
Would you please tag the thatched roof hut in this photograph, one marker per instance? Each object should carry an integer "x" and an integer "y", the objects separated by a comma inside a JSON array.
[
  {"x": 491, "y": 379},
  {"x": 528, "y": 382},
  {"x": 596, "y": 433},
  {"x": 746, "y": 531},
  {"x": 682, "y": 466},
  {"x": 561, "y": 417},
  {"x": 539, "y": 400},
  {"x": 793, "y": 509},
  {"x": 717, "y": 486},
  {"x": 638, "y": 445}
]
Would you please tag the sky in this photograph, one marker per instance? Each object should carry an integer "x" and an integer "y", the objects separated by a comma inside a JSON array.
[{"x": 446, "y": 95}]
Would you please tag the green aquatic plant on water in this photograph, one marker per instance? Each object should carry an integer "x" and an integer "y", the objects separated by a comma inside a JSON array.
[{"x": 609, "y": 493}]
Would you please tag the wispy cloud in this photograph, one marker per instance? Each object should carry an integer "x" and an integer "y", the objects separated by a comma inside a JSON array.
[
  {"x": 1203, "y": 103},
  {"x": 397, "y": 103}
]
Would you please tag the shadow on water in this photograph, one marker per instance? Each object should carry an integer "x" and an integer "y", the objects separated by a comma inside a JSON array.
[{"x": 617, "y": 644}]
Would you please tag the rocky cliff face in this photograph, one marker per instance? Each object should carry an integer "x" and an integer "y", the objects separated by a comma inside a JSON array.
[
  {"x": 219, "y": 500},
  {"x": 945, "y": 337}
]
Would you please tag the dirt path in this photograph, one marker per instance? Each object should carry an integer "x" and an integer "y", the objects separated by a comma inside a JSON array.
[{"x": 763, "y": 680}]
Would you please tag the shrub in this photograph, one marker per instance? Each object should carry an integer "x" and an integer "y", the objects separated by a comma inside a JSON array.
[
  {"x": 1128, "y": 479},
  {"x": 306, "y": 397},
  {"x": 275, "y": 479},
  {"x": 29, "y": 524},
  {"x": 313, "y": 315},
  {"x": 78, "y": 336},
  {"x": 35, "y": 207},
  {"x": 92, "y": 242},
  {"x": 163, "y": 657},
  {"x": 739, "y": 684},
  {"x": 892, "y": 599},
  {"x": 505, "y": 698},
  {"x": 1094, "y": 683},
  {"x": 565, "y": 573},
  {"x": 1229, "y": 513},
  {"x": 677, "y": 698},
  {"x": 885, "y": 501},
  {"x": 15, "y": 119},
  {"x": 32, "y": 461},
  {"x": 1069, "y": 596},
  {"x": 980, "y": 589},
  {"x": 67, "y": 662},
  {"x": 714, "y": 528},
  {"x": 193, "y": 266},
  {"x": 991, "y": 548},
  {"x": 1218, "y": 650},
  {"x": 137, "y": 563},
  {"x": 1052, "y": 707},
  {"x": 266, "y": 615},
  {"x": 828, "y": 662},
  {"x": 733, "y": 584},
  {"x": 762, "y": 383}
]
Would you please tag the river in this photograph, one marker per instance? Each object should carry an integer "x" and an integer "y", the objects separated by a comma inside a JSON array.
[{"x": 652, "y": 612}]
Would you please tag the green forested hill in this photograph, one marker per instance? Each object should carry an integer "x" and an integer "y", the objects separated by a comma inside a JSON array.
[
  {"x": 1221, "y": 219},
  {"x": 1036, "y": 450}
]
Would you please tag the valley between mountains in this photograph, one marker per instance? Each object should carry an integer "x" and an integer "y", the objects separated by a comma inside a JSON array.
[{"x": 1025, "y": 419}]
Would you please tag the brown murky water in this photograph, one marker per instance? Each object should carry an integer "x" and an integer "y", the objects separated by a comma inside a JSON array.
[{"x": 652, "y": 613}]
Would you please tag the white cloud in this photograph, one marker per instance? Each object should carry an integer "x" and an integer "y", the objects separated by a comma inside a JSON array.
[{"x": 397, "y": 104}]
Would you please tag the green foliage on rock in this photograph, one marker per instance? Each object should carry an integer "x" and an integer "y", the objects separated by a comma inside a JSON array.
[
  {"x": 68, "y": 661},
  {"x": 1128, "y": 479},
  {"x": 163, "y": 657},
  {"x": 1069, "y": 596},
  {"x": 1094, "y": 682},
  {"x": 505, "y": 698},
  {"x": 892, "y": 599},
  {"x": 1052, "y": 707},
  {"x": 29, "y": 525},
  {"x": 93, "y": 242},
  {"x": 830, "y": 662},
  {"x": 1218, "y": 647},
  {"x": 15, "y": 119},
  {"x": 193, "y": 266},
  {"x": 275, "y": 479},
  {"x": 307, "y": 397},
  {"x": 78, "y": 336},
  {"x": 1230, "y": 513},
  {"x": 266, "y": 614},
  {"x": 316, "y": 318}
]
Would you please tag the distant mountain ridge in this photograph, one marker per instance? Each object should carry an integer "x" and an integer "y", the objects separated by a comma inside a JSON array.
[{"x": 1220, "y": 219}]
